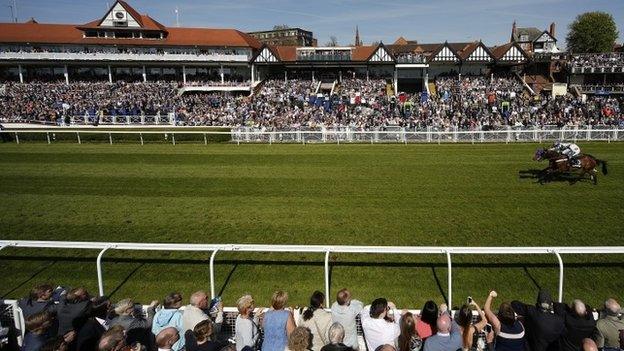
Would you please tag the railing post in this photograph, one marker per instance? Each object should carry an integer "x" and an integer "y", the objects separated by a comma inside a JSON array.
[
  {"x": 78, "y": 136},
  {"x": 141, "y": 135},
  {"x": 16, "y": 138},
  {"x": 560, "y": 274},
  {"x": 212, "y": 285},
  {"x": 110, "y": 138},
  {"x": 99, "y": 270},
  {"x": 173, "y": 141},
  {"x": 450, "y": 280},
  {"x": 48, "y": 137},
  {"x": 327, "y": 299}
]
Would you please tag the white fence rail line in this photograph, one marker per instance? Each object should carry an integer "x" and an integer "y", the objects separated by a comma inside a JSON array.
[
  {"x": 349, "y": 136},
  {"x": 325, "y": 249}
]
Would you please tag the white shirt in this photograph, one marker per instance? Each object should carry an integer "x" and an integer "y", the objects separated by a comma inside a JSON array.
[
  {"x": 378, "y": 331},
  {"x": 246, "y": 332}
]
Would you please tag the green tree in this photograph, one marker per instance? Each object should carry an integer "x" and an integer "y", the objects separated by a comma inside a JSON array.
[{"x": 592, "y": 32}]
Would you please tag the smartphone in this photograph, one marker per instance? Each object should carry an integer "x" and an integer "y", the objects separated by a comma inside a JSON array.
[
  {"x": 469, "y": 300},
  {"x": 488, "y": 328}
]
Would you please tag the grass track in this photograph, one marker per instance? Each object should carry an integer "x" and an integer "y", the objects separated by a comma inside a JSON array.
[{"x": 348, "y": 194}]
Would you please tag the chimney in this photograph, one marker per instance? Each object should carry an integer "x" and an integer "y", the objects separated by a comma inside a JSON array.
[
  {"x": 552, "y": 29},
  {"x": 513, "y": 31}
]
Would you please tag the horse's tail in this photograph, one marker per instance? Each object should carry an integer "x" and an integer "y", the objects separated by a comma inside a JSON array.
[{"x": 604, "y": 165}]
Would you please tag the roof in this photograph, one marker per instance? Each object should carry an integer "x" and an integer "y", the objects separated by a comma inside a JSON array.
[
  {"x": 501, "y": 50},
  {"x": 532, "y": 32},
  {"x": 147, "y": 23},
  {"x": 363, "y": 53},
  {"x": 39, "y": 33}
]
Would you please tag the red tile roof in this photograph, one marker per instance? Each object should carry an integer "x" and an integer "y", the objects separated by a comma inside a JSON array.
[{"x": 38, "y": 33}]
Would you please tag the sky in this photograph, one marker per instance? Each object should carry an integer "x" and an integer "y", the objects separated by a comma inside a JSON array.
[{"x": 378, "y": 20}]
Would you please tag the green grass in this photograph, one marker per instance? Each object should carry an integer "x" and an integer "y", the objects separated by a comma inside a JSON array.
[{"x": 420, "y": 195}]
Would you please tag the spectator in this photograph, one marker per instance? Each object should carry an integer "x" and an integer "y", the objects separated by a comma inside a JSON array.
[
  {"x": 130, "y": 318},
  {"x": 278, "y": 323},
  {"x": 426, "y": 322},
  {"x": 129, "y": 315},
  {"x": 166, "y": 338},
  {"x": 113, "y": 339},
  {"x": 385, "y": 347},
  {"x": 589, "y": 345},
  {"x": 470, "y": 332},
  {"x": 299, "y": 340},
  {"x": 37, "y": 326},
  {"x": 447, "y": 338},
  {"x": 73, "y": 311},
  {"x": 508, "y": 329},
  {"x": 97, "y": 324},
  {"x": 170, "y": 316},
  {"x": 38, "y": 300},
  {"x": 246, "y": 325},
  {"x": 199, "y": 339},
  {"x": 380, "y": 323},
  {"x": 408, "y": 339},
  {"x": 543, "y": 326},
  {"x": 336, "y": 338},
  {"x": 579, "y": 324},
  {"x": 609, "y": 325},
  {"x": 317, "y": 320},
  {"x": 194, "y": 312},
  {"x": 345, "y": 311}
]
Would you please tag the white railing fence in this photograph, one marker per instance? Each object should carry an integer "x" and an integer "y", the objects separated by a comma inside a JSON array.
[
  {"x": 103, "y": 247},
  {"x": 16, "y": 317},
  {"x": 403, "y": 136}
]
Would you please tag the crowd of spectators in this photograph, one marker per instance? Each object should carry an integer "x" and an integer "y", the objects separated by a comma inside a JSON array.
[
  {"x": 459, "y": 103},
  {"x": 118, "y": 50},
  {"x": 608, "y": 59},
  {"x": 60, "y": 319},
  {"x": 480, "y": 103}
]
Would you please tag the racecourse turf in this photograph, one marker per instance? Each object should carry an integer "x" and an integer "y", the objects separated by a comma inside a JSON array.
[{"x": 420, "y": 195}]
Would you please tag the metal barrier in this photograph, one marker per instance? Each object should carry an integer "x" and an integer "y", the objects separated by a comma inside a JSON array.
[
  {"x": 401, "y": 136},
  {"x": 321, "y": 249}
]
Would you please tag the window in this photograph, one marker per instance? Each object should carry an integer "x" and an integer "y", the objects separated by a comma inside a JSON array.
[{"x": 524, "y": 37}]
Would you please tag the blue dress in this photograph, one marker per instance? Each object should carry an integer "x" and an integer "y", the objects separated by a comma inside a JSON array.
[{"x": 275, "y": 338}]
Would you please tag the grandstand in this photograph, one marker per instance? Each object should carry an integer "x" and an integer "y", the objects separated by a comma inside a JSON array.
[
  {"x": 217, "y": 77},
  {"x": 158, "y": 198}
]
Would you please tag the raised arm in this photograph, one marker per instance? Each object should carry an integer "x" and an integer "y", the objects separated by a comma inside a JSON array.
[
  {"x": 481, "y": 324},
  {"x": 491, "y": 317}
]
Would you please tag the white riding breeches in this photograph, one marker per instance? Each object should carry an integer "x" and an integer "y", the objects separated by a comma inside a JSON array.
[{"x": 572, "y": 151}]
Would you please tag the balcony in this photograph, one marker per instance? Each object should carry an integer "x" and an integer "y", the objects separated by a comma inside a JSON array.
[{"x": 120, "y": 57}]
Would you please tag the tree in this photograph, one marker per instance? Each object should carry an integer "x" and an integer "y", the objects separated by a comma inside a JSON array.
[
  {"x": 592, "y": 32},
  {"x": 333, "y": 41}
]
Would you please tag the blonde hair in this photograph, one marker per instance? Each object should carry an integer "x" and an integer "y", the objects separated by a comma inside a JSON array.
[
  {"x": 300, "y": 339},
  {"x": 244, "y": 303},
  {"x": 279, "y": 300},
  {"x": 123, "y": 306}
]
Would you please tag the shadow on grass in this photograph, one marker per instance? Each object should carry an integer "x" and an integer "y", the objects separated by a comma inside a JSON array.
[
  {"x": 125, "y": 280},
  {"x": 540, "y": 176},
  {"x": 433, "y": 266},
  {"x": 32, "y": 276}
]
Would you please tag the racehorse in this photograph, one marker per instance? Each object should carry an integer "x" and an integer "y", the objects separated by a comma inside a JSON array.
[{"x": 559, "y": 164}]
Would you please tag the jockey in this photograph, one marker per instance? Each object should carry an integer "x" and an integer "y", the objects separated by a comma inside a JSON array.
[{"x": 570, "y": 150}]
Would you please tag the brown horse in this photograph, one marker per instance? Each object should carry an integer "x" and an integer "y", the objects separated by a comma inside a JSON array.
[{"x": 559, "y": 164}]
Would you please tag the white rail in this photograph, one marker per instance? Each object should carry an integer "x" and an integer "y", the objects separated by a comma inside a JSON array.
[
  {"x": 350, "y": 136},
  {"x": 324, "y": 249}
]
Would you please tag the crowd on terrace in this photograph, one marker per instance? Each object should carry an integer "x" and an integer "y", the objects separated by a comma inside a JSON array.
[
  {"x": 70, "y": 319},
  {"x": 609, "y": 59},
  {"x": 459, "y": 102}
]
